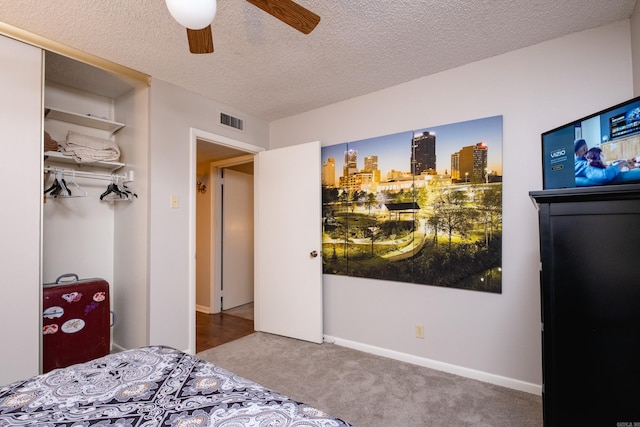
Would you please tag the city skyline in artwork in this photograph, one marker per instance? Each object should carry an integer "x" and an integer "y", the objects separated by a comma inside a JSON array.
[
  {"x": 421, "y": 206},
  {"x": 450, "y": 138}
]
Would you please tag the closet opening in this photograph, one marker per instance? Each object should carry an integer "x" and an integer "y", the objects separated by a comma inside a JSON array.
[{"x": 94, "y": 207}]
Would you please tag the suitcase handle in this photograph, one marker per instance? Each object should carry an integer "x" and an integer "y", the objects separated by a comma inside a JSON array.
[{"x": 65, "y": 276}]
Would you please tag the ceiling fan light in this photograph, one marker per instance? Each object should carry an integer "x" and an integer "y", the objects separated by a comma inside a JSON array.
[{"x": 193, "y": 14}]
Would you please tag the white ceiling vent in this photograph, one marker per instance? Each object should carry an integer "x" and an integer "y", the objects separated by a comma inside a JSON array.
[{"x": 229, "y": 120}]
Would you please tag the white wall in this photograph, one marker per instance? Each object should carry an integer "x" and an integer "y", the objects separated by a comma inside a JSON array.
[
  {"x": 173, "y": 112},
  {"x": 492, "y": 337},
  {"x": 635, "y": 47},
  {"x": 130, "y": 269}
]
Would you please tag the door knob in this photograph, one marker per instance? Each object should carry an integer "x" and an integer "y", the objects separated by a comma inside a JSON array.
[{"x": 313, "y": 254}]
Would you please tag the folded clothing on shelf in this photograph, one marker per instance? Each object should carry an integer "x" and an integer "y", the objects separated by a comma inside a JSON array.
[
  {"x": 50, "y": 144},
  {"x": 89, "y": 149}
]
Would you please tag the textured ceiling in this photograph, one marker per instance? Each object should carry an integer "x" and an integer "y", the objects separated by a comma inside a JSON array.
[{"x": 267, "y": 69}]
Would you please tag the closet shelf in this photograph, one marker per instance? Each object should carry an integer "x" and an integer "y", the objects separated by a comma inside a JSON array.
[
  {"x": 58, "y": 157},
  {"x": 82, "y": 120}
]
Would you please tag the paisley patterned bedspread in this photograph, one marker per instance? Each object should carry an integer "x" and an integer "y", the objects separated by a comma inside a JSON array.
[{"x": 150, "y": 386}]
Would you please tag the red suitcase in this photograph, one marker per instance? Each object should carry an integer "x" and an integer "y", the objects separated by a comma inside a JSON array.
[{"x": 76, "y": 321}]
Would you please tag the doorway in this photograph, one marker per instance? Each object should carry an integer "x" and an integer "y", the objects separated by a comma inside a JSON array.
[
  {"x": 223, "y": 271},
  {"x": 288, "y": 269}
]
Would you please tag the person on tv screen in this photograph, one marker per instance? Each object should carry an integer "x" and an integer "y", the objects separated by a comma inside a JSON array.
[
  {"x": 580, "y": 148},
  {"x": 591, "y": 168}
]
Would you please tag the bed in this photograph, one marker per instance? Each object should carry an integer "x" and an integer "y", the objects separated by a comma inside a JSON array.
[{"x": 151, "y": 386}]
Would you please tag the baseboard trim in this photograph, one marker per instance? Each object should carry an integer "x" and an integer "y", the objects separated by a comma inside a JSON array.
[
  {"x": 115, "y": 348},
  {"x": 440, "y": 366},
  {"x": 203, "y": 309}
]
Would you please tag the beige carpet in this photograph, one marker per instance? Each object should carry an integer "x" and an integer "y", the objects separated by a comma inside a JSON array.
[
  {"x": 244, "y": 311},
  {"x": 372, "y": 391}
]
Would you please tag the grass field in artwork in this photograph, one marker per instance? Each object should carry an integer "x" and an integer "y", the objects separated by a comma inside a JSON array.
[{"x": 419, "y": 226}]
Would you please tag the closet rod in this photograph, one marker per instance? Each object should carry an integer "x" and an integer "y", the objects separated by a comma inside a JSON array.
[{"x": 127, "y": 177}]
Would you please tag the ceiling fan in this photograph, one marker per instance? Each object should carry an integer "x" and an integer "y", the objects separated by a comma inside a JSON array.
[{"x": 197, "y": 16}]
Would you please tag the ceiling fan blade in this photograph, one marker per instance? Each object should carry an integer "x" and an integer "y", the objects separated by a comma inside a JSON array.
[
  {"x": 200, "y": 41},
  {"x": 290, "y": 13}
]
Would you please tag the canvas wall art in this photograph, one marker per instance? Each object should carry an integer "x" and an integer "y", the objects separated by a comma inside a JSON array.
[{"x": 421, "y": 206}]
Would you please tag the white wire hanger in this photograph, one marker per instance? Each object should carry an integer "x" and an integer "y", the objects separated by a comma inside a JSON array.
[{"x": 78, "y": 191}]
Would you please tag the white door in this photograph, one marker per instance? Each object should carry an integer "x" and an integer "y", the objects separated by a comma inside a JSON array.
[
  {"x": 237, "y": 239},
  {"x": 20, "y": 227},
  {"x": 288, "y": 276}
]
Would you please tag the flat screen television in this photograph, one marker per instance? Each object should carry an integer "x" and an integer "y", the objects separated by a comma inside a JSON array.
[{"x": 600, "y": 149}]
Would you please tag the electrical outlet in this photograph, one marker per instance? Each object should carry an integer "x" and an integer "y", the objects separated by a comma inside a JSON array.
[{"x": 419, "y": 330}]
